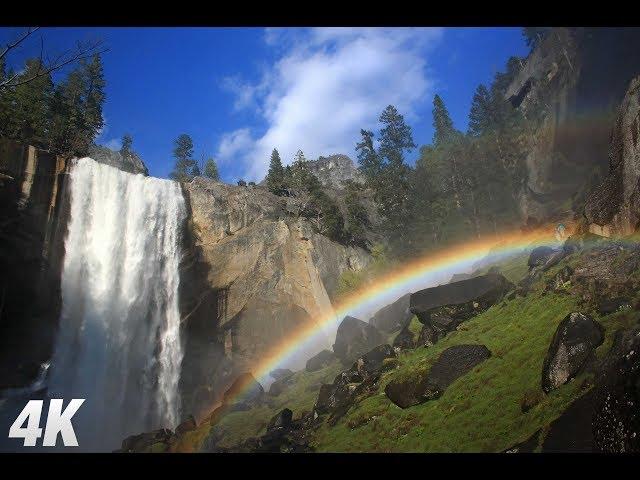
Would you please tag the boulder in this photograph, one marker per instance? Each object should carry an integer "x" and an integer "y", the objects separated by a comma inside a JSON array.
[
  {"x": 539, "y": 256},
  {"x": 393, "y": 317},
  {"x": 354, "y": 338},
  {"x": 361, "y": 378},
  {"x": 613, "y": 208},
  {"x": 320, "y": 360},
  {"x": 444, "y": 307},
  {"x": 572, "y": 347},
  {"x": 279, "y": 373},
  {"x": 187, "y": 425},
  {"x": 453, "y": 363},
  {"x": 244, "y": 392},
  {"x": 281, "y": 420},
  {"x": 571, "y": 432},
  {"x": 279, "y": 386},
  {"x": 404, "y": 340},
  {"x": 616, "y": 419},
  {"x": 428, "y": 336},
  {"x": 560, "y": 280}
]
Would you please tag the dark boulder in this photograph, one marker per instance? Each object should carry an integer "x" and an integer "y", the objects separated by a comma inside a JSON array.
[
  {"x": 571, "y": 431},
  {"x": 187, "y": 425},
  {"x": 453, "y": 363},
  {"x": 616, "y": 420},
  {"x": 528, "y": 446},
  {"x": 279, "y": 373},
  {"x": 244, "y": 392},
  {"x": 607, "y": 306},
  {"x": 280, "y": 386},
  {"x": 281, "y": 420},
  {"x": 444, "y": 307},
  {"x": 393, "y": 317},
  {"x": 428, "y": 336},
  {"x": 348, "y": 385},
  {"x": 404, "y": 340},
  {"x": 539, "y": 256},
  {"x": 319, "y": 361},
  {"x": 572, "y": 347},
  {"x": 354, "y": 338}
]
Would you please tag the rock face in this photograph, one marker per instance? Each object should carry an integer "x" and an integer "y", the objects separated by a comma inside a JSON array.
[
  {"x": 280, "y": 373},
  {"x": 404, "y": 340},
  {"x": 393, "y": 317},
  {"x": 569, "y": 73},
  {"x": 572, "y": 347},
  {"x": 129, "y": 162},
  {"x": 334, "y": 170},
  {"x": 355, "y": 337},
  {"x": 320, "y": 360},
  {"x": 613, "y": 208},
  {"x": 254, "y": 271},
  {"x": 453, "y": 363},
  {"x": 444, "y": 307}
]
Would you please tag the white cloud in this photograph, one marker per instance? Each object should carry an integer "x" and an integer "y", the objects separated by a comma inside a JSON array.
[{"x": 326, "y": 85}]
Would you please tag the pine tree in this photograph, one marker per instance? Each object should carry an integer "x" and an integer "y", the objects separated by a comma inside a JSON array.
[
  {"x": 211, "y": 169},
  {"x": 94, "y": 99},
  {"x": 28, "y": 119},
  {"x": 183, "y": 153},
  {"x": 275, "y": 176},
  {"x": 480, "y": 116},
  {"x": 395, "y": 136},
  {"x": 444, "y": 131},
  {"x": 127, "y": 141}
]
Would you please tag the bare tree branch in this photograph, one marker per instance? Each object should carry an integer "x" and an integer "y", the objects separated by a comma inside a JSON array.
[
  {"x": 11, "y": 46},
  {"x": 81, "y": 52}
]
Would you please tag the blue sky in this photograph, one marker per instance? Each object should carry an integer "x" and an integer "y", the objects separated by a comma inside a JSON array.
[{"x": 239, "y": 92}]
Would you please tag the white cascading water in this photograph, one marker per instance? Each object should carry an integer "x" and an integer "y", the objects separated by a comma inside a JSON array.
[{"x": 119, "y": 343}]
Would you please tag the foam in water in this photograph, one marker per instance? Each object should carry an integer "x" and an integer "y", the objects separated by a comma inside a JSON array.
[{"x": 119, "y": 341}]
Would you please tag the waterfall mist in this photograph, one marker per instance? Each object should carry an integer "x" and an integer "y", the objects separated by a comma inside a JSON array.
[{"x": 119, "y": 343}]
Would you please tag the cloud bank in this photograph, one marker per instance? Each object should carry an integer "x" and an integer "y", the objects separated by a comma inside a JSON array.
[{"x": 324, "y": 86}]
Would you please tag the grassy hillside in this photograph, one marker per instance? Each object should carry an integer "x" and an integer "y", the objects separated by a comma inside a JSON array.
[{"x": 479, "y": 412}]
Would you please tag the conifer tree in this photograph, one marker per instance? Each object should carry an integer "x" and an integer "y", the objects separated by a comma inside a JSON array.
[
  {"x": 211, "y": 169},
  {"x": 183, "y": 153},
  {"x": 275, "y": 176}
]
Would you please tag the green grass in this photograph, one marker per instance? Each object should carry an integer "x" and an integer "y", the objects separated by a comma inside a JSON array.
[{"x": 514, "y": 268}]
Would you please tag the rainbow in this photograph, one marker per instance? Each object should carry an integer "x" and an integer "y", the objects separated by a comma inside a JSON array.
[{"x": 412, "y": 276}]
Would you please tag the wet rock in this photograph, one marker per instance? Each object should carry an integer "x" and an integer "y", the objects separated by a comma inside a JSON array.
[
  {"x": 354, "y": 338},
  {"x": 571, "y": 431},
  {"x": 393, "y": 317},
  {"x": 280, "y": 386},
  {"x": 539, "y": 256},
  {"x": 319, "y": 361},
  {"x": 281, "y": 420},
  {"x": 428, "y": 336},
  {"x": 404, "y": 340},
  {"x": 453, "y": 363},
  {"x": 616, "y": 419},
  {"x": 528, "y": 446},
  {"x": 607, "y": 306},
  {"x": 444, "y": 307},
  {"x": 560, "y": 280},
  {"x": 572, "y": 347}
]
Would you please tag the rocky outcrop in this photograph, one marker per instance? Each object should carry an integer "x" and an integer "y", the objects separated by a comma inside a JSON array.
[
  {"x": 127, "y": 162},
  {"x": 334, "y": 170},
  {"x": 320, "y": 360},
  {"x": 157, "y": 441},
  {"x": 353, "y": 338},
  {"x": 394, "y": 316},
  {"x": 280, "y": 373},
  {"x": 453, "y": 363},
  {"x": 254, "y": 272},
  {"x": 613, "y": 208},
  {"x": 33, "y": 219},
  {"x": 361, "y": 379},
  {"x": 444, "y": 307},
  {"x": 568, "y": 87},
  {"x": 404, "y": 340},
  {"x": 573, "y": 345}
]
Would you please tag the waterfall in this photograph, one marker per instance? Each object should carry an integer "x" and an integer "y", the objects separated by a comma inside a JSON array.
[{"x": 119, "y": 344}]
